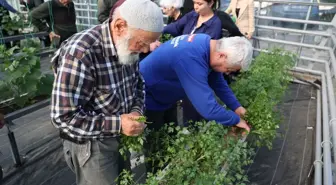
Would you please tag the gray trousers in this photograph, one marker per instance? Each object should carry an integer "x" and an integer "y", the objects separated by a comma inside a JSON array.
[{"x": 96, "y": 162}]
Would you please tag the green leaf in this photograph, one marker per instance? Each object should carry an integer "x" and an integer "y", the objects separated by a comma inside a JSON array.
[{"x": 238, "y": 176}]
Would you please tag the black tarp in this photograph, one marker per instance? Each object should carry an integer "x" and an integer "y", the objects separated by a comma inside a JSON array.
[{"x": 292, "y": 155}]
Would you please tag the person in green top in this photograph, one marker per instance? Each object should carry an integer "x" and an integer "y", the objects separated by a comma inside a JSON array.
[{"x": 60, "y": 16}]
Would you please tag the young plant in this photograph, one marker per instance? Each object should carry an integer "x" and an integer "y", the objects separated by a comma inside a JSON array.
[
  {"x": 165, "y": 37},
  {"x": 130, "y": 143},
  {"x": 260, "y": 89},
  {"x": 198, "y": 156}
]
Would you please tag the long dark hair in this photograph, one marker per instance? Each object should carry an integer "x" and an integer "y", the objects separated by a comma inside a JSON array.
[
  {"x": 216, "y": 4},
  {"x": 188, "y": 5}
]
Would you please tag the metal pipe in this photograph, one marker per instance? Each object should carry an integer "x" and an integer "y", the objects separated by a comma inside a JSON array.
[
  {"x": 331, "y": 52},
  {"x": 84, "y": 4},
  {"x": 294, "y": 20},
  {"x": 27, "y": 110},
  {"x": 313, "y": 72},
  {"x": 292, "y": 43},
  {"x": 300, "y": 82},
  {"x": 332, "y": 106},
  {"x": 11, "y": 99},
  {"x": 325, "y": 34},
  {"x": 88, "y": 9},
  {"x": 83, "y": 17},
  {"x": 314, "y": 60},
  {"x": 82, "y": 9},
  {"x": 305, "y": 28},
  {"x": 14, "y": 148},
  {"x": 326, "y": 144},
  {"x": 318, "y": 150},
  {"x": 25, "y": 36},
  {"x": 332, "y": 59},
  {"x": 334, "y": 40},
  {"x": 301, "y": 57},
  {"x": 297, "y": 2}
]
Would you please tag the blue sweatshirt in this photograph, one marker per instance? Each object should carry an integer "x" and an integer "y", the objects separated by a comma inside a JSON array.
[
  {"x": 179, "y": 68},
  {"x": 187, "y": 23}
]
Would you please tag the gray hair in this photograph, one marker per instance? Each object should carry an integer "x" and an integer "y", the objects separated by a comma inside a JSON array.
[
  {"x": 172, "y": 3},
  {"x": 238, "y": 49}
]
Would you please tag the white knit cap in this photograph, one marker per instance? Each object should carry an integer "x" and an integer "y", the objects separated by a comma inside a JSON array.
[{"x": 142, "y": 14}]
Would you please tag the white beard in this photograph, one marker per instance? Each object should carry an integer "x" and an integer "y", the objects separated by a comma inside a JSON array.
[{"x": 125, "y": 56}]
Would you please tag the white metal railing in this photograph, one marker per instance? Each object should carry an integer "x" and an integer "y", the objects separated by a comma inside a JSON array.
[
  {"x": 325, "y": 56},
  {"x": 86, "y": 14}
]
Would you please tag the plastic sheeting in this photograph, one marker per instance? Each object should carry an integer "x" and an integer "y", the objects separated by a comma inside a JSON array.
[{"x": 292, "y": 156}]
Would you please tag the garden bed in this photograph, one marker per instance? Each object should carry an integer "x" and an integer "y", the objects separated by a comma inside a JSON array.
[
  {"x": 209, "y": 153},
  {"x": 46, "y": 163}
]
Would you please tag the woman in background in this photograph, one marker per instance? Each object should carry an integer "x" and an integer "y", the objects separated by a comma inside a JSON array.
[
  {"x": 243, "y": 11},
  {"x": 201, "y": 20}
]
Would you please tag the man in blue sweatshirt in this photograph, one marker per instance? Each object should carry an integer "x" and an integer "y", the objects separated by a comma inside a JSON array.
[{"x": 191, "y": 66}]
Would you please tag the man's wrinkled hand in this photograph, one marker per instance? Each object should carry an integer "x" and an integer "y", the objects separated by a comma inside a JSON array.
[
  {"x": 129, "y": 125},
  {"x": 241, "y": 111},
  {"x": 243, "y": 124},
  {"x": 154, "y": 45}
]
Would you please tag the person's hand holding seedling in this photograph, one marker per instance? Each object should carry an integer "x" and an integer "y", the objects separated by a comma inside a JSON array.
[
  {"x": 132, "y": 125},
  {"x": 241, "y": 111}
]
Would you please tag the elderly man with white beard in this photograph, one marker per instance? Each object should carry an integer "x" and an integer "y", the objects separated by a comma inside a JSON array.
[{"x": 98, "y": 91}]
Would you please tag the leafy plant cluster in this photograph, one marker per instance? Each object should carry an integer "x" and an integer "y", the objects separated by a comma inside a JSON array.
[
  {"x": 133, "y": 144},
  {"x": 11, "y": 25},
  {"x": 21, "y": 74},
  {"x": 165, "y": 37},
  {"x": 196, "y": 155},
  {"x": 260, "y": 89},
  {"x": 209, "y": 153}
]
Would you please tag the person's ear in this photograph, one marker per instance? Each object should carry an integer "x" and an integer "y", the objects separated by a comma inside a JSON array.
[{"x": 119, "y": 26}]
